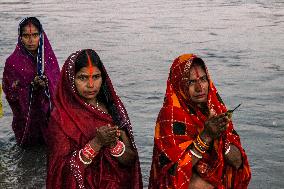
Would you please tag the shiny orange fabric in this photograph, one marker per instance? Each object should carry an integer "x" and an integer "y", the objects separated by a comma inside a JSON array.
[{"x": 178, "y": 124}]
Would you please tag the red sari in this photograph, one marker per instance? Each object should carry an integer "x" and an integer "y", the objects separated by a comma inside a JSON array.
[
  {"x": 73, "y": 124},
  {"x": 178, "y": 124}
]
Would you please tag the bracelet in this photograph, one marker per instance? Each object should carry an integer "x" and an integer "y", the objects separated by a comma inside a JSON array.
[
  {"x": 228, "y": 150},
  {"x": 199, "y": 148},
  {"x": 118, "y": 150},
  {"x": 202, "y": 143},
  {"x": 84, "y": 162},
  {"x": 195, "y": 154},
  {"x": 89, "y": 152}
]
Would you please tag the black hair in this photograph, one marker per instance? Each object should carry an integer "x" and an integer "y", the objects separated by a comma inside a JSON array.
[
  {"x": 82, "y": 61},
  {"x": 33, "y": 20},
  {"x": 200, "y": 62}
]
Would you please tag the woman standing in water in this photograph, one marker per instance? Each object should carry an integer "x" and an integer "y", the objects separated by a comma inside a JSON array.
[
  {"x": 195, "y": 144},
  {"x": 29, "y": 79},
  {"x": 89, "y": 137}
]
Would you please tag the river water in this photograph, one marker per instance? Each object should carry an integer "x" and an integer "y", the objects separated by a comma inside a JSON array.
[{"x": 242, "y": 43}]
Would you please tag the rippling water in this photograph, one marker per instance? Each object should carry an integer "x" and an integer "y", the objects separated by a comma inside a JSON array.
[{"x": 241, "y": 41}]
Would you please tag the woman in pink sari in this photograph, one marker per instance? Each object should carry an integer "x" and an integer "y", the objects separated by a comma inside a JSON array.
[
  {"x": 89, "y": 137},
  {"x": 29, "y": 79}
]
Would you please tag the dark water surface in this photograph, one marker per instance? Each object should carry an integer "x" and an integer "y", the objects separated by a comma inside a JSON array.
[{"x": 241, "y": 41}]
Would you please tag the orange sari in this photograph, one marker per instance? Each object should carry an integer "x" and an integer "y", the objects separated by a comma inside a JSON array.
[{"x": 178, "y": 124}]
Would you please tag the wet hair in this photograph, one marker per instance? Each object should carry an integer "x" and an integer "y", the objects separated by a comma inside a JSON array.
[{"x": 29, "y": 20}]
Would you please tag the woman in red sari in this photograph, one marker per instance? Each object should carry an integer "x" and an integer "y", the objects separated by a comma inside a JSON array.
[
  {"x": 89, "y": 137},
  {"x": 195, "y": 144}
]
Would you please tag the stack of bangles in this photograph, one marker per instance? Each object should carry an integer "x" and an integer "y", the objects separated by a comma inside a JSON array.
[
  {"x": 200, "y": 146},
  {"x": 89, "y": 153},
  {"x": 118, "y": 150}
]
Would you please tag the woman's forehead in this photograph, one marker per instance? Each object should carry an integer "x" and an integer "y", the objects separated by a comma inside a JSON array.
[
  {"x": 89, "y": 69},
  {"x": 196, "y": 71},
  {"x": 30, "y": 27}
]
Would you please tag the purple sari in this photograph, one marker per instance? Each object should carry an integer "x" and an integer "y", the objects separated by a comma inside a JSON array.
[{"x": 30, "y": 107}]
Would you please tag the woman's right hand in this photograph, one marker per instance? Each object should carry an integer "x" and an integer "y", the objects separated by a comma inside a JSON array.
[
  {"x": 39, "y": 82},
  {"x": 106, "y": 136},
  {"x": 215, "y": 125}
]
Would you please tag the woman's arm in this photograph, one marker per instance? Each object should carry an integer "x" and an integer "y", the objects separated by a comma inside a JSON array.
[
  {"x": 234, "y": 157},
  {"x": 129, "y": 155}
]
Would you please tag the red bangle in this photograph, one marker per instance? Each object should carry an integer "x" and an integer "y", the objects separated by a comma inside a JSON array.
[
  {"x": 89, "y": 152},
  {"x": 118, "y": 150}
]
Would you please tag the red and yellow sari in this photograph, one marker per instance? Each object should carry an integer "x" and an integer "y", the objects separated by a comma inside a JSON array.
[{"x": 178, "y": 124}]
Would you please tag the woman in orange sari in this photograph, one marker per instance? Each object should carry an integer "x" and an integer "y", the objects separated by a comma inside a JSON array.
[{"x": 195, "y": 144}]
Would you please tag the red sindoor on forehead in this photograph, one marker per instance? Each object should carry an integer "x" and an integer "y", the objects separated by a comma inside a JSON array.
[
  {"x": 30, "y": 26},
  {"x": 90, "y": 67},
  {"x": 196, "y": 72}
]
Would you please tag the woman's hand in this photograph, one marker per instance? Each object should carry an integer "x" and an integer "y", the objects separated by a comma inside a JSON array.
[
  {"x": 15, "y": 84},
  {"x": 106, "y": 136},
  {"x": 214, "y": 127},
  {"x": 39, "y": 82}
]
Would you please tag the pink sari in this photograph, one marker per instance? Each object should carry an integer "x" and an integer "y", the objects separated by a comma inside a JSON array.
[{"x": 30, "y": 108}]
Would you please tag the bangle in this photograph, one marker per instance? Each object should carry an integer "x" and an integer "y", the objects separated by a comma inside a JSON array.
[
  {"x": 89, "y": 152},
  {"x": 118, "y": 150},
  {"x": 228, "y": 150},
  {"x": 195, "y": 154},
  {"x": 202, "y": 143},
  {"x": 199, "y": 148},
  {"x": 85, "y": 162}
]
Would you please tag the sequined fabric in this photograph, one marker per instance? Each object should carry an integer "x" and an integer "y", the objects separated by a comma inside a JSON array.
[
  {"x": 30, "y": 115},
  {"x": 73, "y": 124},
  {"x": 178, "y": 124}
]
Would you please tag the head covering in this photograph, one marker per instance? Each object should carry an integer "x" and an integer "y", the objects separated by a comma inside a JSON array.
[
  {"x": 30, "y": 108},
  {"x": 73, "y": 124},
  {"x": 178, "y": 124}
]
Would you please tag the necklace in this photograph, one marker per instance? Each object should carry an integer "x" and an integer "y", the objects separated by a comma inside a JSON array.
[{"x": 97, "y": 103}]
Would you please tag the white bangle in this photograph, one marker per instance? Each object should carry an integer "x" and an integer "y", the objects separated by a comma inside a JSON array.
[
  {"x": 228, "y": 150},
  {"x": 195, "y": 154},
  {"x": 122, "y": 152},
  {"x": 85, "y": 162}
]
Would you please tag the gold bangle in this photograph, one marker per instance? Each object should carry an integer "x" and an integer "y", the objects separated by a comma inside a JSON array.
[
  {"x": 198, "y": 148},
  {"x": 203, "y": 144}
]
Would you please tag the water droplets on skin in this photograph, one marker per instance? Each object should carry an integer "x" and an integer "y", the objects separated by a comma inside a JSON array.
[{"x": 241, "y": 42}]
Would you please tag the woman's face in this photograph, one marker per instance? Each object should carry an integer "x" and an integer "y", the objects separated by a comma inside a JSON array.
[
  {"x": 88, "y": 81},
  {"x": 30, "y": 38},
  {"x": 197, "y": 85}
]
